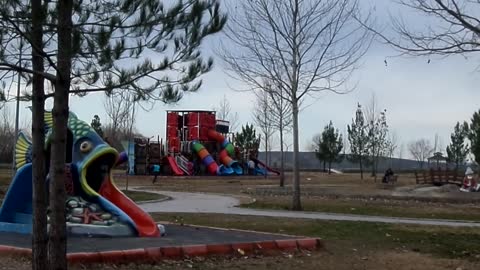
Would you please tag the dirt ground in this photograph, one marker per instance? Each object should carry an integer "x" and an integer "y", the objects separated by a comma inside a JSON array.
[{"x": 335, "y": 258}]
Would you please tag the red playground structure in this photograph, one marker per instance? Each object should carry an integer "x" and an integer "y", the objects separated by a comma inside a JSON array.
[{"x": 196, "y": 143}]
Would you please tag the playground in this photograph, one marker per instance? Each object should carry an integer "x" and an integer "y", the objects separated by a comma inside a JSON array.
[{"x": 196, "y": 144}]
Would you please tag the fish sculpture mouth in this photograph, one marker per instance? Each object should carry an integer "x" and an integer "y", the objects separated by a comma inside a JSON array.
[{"x": 97, "y": 170}]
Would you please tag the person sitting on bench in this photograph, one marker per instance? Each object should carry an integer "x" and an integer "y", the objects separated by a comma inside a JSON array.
[{"x": 388, "y": 175}]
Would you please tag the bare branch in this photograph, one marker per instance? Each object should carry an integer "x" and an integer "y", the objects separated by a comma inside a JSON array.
[{"x": 452, "y": 28}]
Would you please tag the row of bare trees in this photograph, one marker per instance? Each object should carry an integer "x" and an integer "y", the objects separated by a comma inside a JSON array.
[
  {"x": 7, "y": 133},
  {"x": 121, "y": 112},
  {"x": 272, "y": 114}
]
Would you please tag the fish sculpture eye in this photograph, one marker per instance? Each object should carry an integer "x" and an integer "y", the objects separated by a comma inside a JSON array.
[{"x": 85, "y": 147}]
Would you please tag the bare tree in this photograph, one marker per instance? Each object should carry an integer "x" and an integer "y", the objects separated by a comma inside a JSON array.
[
  {"x": 7, "y": 135},
  {"x": 118, "y": 107},
  {"x": 377, "y": 127},
  {"x": 262, "y": 118},
  {"x": 438, "y": 145},
  {"x": 224, "y": 112},
  {"x": 303, "y": 47},
  {"x": 451, "y": 27},
  {"x": 401, "y": 150},
  {"x": 392, "y": 145},
  {"x": 420, "y": 150},
  {"x": 281, "y": 118}
]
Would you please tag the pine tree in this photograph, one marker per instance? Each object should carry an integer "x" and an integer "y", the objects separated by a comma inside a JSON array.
[
  {"x": 247, "y": 139},
  {"x": 458, "y": 150},
  {"x": 358, "y": 138},
  {"x": 474, "y": 136},
  {"x": 319, "y": 154},
  {"x": 100, "y": 46},
  {"x": 96, "y": 125},
  {"x": 331, "y": 145}
]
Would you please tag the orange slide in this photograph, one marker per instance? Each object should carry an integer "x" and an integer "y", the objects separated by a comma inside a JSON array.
[
  {"x": 173, "y": 164},
  {"x": 144, "y": 223}
]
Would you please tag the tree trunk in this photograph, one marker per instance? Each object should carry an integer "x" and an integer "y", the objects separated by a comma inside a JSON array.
[
  {"x": 361, "y": 169},
  {"x": 329, "y": 167},
  {"x": 282, "y": 159},
  {"x": 373, "y": 160},
  {"x": 296, "y": 204},
  {"x": 39, "y": 228},
  {"x": 266, "y": 154},
  {"x": 57, "y": 233}
]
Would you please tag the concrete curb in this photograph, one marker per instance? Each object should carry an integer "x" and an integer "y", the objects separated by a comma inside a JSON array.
[
  {"x": 168, "y": 198},
  {"x": 139, "y": 189},
  {"x": 156, "y": 254}
]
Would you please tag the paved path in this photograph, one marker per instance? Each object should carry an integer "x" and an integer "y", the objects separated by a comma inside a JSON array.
[{"x": 183, "y": 202}]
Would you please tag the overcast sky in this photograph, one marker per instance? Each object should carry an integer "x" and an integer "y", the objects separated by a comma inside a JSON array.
[{"x": 421, "y": 98}]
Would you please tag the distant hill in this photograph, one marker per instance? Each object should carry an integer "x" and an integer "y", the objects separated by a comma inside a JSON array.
[{"x": 308, "y": 161}]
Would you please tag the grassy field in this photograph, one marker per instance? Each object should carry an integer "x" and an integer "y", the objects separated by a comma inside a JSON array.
[
  {"x": 373, "y": 207},
  {"x": 343, "y": 185},
  {"x": 435, "y": 240}
]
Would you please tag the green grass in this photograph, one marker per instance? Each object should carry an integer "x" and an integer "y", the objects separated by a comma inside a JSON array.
[
  {"x": 139, "y": 196},
  {"x": 373, "y": 209},
  {"x": 439, "y": 241}
]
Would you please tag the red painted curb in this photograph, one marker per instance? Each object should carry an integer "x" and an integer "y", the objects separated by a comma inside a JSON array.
[
  {"x": 156, "y": 254},
  {"x": 218, "y": 249},
  {"x": 308, "y": 243},
  {"x": 84, "y": 257},
  {"x": 135, "y": 255},
  {"x": 153, "y": 254},
  {"x": 287, "y": 244},
  {"x": 75, "y": 258},
  {"x": 22, "y": 251},
  {"x": 115, "y": 256},
  {"x": 243, "y": 248},
  {"x": 195, "y": 250},
  {"x": 171, "y": 252},
  {"x": 266, "y": 245},
  {"x": 7, "y": 250}
]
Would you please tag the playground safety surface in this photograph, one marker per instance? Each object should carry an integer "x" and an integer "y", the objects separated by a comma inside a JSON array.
[{"x": 180, "y": 241}]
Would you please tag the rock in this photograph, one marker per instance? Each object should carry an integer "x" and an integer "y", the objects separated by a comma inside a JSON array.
[
  {"x": 76, "y": 220},
  {"x": 77, "y": 211},
  {"x": 96, "y": 222},
  {"x": 106, "y": 216},
  {"x": 93, "y": 208},
  {"x": 72, "y": 203},
  {"x": 110, "y": 222}
]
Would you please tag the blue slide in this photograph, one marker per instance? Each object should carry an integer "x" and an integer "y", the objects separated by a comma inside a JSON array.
[{"x": 16, "y": 211}]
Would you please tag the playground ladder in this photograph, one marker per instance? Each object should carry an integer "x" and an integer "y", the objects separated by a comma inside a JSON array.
[{"x": 182, "y": 163}]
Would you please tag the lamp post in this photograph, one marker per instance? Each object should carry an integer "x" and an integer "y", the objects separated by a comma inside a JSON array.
[
  {"x": 18, "y": 14},
  {"x": 17, "y": 109}
]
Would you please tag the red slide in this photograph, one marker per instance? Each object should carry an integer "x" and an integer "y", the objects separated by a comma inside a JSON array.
[
  {"x": 173, "y": 164},
  {"x": 268, "y": 168},
  {"x": 144, "y": 223}
]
